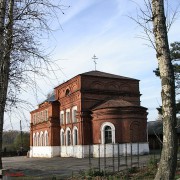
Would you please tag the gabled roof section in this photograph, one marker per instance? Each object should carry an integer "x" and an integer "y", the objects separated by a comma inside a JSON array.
[
  {"x": 113, "y": 103},
  {"x": 107, "y": 75},
  {"x": 99, "y": 74}
]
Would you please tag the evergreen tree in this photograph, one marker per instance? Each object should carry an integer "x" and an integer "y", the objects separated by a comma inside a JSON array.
[{"x": 175, "y": 57}]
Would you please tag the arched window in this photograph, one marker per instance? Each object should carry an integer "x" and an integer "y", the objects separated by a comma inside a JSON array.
[
  {"x": 134, "y": 131},
  {"x": 34, "y": 118},
  {"x": 74, "y": 114},
  {"x": 46, "y": 115},
  {"x": 41, "y": 116},
  {"x": 75, "y": 135},
  {"x": 107, "y": 133},
  {"x": 41, "y": 139},
  {"x": 46, "y": 139},
  {"x": 37, "y": 139},
  {"x": 62, "y": 117},
  {"x": 37, "y": 117},
  {"x": 67, "y": 116},
  {"x": 34, "y": 139},
  {"x": 67, "y": 92},
  {"x": 62, "y": 137},
  {"x": 68, "y": 137}
]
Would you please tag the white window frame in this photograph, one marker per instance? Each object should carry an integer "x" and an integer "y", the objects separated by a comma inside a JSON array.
[
  {"x": 46, "y": 115},
  {"x": 68, "y": 129},
  {"x": 75, "y": 137},
  {"x": 62, "y": 120},
  {"x": 34, "y": 139},
  {"x": 37, "y": 139},
  {"x": 74, "y": 119},
  {"x": 41, "y": 116},
  {"x": 46, "y": 139},
  {"x": 68, "y": 120},
  {"x": 37, "y": 117},
  {"x": 62, "y": 135},
  {"x": 103, "y": 131},
  {"x": 34, "y": 118},
  {"x": 41, "y": 139}
]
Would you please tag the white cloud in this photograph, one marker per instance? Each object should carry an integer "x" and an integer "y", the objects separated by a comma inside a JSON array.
[
  {"x": 93, "y": 27},
  {"x": 75, "y": 8}
]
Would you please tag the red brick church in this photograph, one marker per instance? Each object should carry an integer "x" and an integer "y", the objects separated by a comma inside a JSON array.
[{"x": 85, "y": 113}]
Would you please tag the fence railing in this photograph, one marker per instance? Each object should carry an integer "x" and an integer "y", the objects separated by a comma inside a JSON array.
[{"x": 120, "y": 158}]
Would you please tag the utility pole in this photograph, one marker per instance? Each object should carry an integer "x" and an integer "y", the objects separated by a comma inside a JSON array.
[{"x": 21, "y": 137}]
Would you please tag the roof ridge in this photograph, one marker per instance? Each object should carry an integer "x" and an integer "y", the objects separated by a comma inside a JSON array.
[
  {"x": 105, "y": 74},
  {"x": 116, "y": 102}
]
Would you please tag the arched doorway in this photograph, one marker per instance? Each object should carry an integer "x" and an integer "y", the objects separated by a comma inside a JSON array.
[{"x": 108, "y": 134}]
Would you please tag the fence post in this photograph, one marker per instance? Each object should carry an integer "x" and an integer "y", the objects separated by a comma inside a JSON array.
[
  {"x": 104, "y": 159},
  {"x": 118, "y": 157},
  {"x": 99, "y": 158},
  {"x": 138, "y": 153},
  {"x": 126, "y": 157},
  {"x": 113, "y": 158},
  {"x": 131, "y": 154},
  {"x": 89, "y": 156}
]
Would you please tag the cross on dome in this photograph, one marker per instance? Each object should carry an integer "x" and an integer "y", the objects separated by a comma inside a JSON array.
[{"x": 94, "y": 58}]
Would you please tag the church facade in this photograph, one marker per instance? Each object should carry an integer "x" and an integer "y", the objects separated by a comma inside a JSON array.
[{"x": 91, "y": 113}]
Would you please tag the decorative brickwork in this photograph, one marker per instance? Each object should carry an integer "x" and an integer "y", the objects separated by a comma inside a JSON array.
[{"x": 91, "y": 108}]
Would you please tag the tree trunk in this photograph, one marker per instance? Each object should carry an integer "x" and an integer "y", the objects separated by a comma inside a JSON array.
[
  {"x": 2, "y": 104},
  {"x": 2, "y": 20},
  {"x": 168, "y": 161},
  {"x": 6, "y": 45}
]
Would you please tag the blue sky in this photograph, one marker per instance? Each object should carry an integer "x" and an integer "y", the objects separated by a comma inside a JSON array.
[{"x": 103, "y": 28}]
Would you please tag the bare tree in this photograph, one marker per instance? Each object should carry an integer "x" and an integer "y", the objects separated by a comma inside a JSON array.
[
  {"x": 22, "y": 24},
  {"x": 167, "y": 165},
  {"x": 156, "y": 33},
  {"x": 5, "y": 47}
]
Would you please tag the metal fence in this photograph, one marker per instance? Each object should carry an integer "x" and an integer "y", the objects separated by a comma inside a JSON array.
[
  {"x": 118, "y": 161},
  {"x": 121, "y": 161}
]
